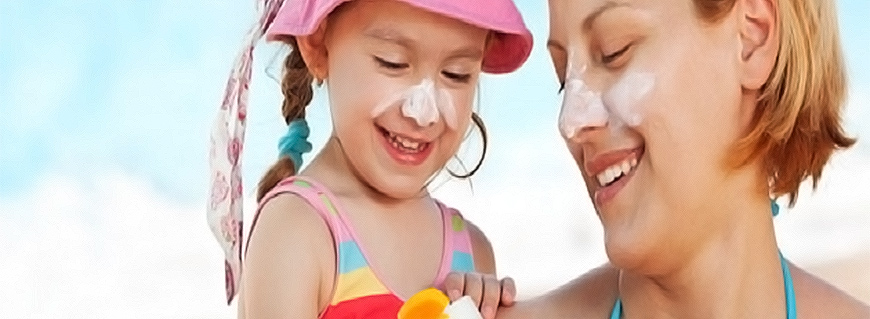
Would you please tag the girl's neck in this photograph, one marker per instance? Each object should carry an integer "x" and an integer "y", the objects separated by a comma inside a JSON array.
[
  {"x": 331, "y": 168},
  {"x": 734, "y": 274}
]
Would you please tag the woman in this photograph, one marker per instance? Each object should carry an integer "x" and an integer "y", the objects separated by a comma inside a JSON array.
[{"x": 687, "y": 117}]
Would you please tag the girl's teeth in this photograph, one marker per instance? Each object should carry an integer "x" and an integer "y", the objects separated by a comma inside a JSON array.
[{"x": 404, "y": 144}]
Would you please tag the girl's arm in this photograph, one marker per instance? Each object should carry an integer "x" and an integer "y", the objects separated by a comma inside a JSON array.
[
  {"x": 289, "y": 264},
  {"x": 483, "y": 286}
]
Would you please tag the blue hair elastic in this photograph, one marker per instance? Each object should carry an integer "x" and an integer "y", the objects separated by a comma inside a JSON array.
[{"x": 295, "y": 142}]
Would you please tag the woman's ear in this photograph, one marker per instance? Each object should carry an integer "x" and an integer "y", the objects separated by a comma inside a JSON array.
[
  {"x": 312, "y": 47},
  {"x": 759, "y": 37}
]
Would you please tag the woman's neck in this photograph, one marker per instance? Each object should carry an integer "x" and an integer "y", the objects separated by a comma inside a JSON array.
[{"x": 735, "y": 273}]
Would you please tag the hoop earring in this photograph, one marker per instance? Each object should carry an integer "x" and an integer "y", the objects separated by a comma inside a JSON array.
[{"x": 478, "y": 122}]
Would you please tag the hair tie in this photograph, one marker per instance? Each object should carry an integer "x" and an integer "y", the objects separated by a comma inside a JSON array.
[{"x": 295, "y": 142}]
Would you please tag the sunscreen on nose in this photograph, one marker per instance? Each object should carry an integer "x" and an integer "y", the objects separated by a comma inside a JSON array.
[
  {"x": 424, "y": 103},
  {"x": 620, "y": 105}
]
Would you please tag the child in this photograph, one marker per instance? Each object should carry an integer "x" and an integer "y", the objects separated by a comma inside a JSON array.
[{"x": 356, "y": 232}]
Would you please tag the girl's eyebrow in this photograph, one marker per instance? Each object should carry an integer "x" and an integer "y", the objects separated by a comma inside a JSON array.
[
  {"x": 467, "y": 53},
  {"x": 389, "y": 35},
  {"x": 394, "y": 36}
]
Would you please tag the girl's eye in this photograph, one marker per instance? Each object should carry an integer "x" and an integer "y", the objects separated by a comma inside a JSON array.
[
  {"x": 457, "y": 77},
  {"x": 609, "y": 58},
  {"x": 390, "y": 65}
]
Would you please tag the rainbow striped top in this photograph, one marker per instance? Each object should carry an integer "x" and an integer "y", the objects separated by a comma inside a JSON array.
[{"x": 358, "y": 292}]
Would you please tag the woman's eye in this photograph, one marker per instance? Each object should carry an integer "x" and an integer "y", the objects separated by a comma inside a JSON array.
[
  {"x": 458, "y": 77},
  {"x": 609, "y": 58},
  {"x": 390, "y": 65}
]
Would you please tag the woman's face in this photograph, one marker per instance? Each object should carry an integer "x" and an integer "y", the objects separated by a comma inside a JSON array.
[
  {"x": 652, "y": 107},
  {"x": 401, "y": 84}
]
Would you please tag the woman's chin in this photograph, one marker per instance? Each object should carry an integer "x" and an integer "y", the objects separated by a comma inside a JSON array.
[{"x": 629, "y": 249}]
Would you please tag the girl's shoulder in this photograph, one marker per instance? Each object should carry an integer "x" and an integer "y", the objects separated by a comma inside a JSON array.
[
  {"x": 817, "y": 298},
  {"x": 288, "y": 234}
]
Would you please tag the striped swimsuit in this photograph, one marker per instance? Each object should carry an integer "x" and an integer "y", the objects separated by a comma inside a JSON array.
[{"x": 358, "y": 292}]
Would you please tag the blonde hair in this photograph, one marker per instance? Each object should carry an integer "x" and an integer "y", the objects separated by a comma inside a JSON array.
[{"x": 797, "y": 123}]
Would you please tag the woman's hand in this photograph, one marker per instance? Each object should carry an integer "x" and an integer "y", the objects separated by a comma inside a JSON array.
[{"x": 487, "y": 291}]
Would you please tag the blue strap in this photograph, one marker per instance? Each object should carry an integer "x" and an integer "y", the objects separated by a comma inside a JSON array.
[
  {"x": 617, "y": 309},
  {"x": 295, "y": 142},
  {"x": 790, "y": 303}
]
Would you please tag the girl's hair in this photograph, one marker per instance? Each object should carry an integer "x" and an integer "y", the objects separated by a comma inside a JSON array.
[
  {"x": 296, "y": 85},
  {"x": 796, "y": 125}
]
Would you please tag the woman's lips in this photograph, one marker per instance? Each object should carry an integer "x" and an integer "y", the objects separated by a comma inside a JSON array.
[{"x": 611, "y": 171}]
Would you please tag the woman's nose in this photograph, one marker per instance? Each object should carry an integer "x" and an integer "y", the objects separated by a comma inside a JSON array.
[{"x": 582, "y": 111}]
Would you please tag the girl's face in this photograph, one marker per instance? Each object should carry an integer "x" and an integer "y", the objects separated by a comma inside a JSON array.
[
  {"x": 401, "y": 84},
  {"x": 653, "y": 104}
]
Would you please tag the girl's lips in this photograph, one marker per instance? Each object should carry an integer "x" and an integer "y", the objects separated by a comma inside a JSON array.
[{"x": 402, "y": 155}]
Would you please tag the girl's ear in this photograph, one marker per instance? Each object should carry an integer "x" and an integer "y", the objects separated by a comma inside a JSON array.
[{"x": 312, "y": 47}]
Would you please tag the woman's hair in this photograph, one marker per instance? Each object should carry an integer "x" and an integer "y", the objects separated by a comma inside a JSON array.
[
  {"x": 797, "y": 122},
  {"x": 296, "y": 85}
]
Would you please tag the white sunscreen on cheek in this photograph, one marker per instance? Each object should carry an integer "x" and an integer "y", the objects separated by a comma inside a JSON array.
[{"x": 625, "y": 96}]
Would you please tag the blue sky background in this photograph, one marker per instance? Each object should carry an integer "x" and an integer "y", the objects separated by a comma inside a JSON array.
[
  {"x": 131, "y": 85},
  {"x": 106, "y": 107}
]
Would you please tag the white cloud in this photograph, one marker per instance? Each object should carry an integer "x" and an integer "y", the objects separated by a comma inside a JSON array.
[
  {"x": 110, "y": 246},
  {"x": 107, "y": 247},
  {"x": 834, "y": 221}
]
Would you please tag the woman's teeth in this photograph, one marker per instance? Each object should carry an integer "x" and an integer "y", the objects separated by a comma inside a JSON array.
[
  {"x": 405, "y": 144},
  {"x": 616, "y": 171}
]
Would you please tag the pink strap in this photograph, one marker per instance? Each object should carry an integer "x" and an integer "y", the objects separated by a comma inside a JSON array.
[
  {"x": 462, "y": 238},
  {"x": 309, "y": 194},
  {"x": 227, "y": 139}
]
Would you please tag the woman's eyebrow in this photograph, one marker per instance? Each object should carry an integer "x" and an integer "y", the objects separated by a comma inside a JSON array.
[{"x": 590, "y": 19}]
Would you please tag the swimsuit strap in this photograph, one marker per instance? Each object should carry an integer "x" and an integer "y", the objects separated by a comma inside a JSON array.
[{"x": 790, "y": 304}]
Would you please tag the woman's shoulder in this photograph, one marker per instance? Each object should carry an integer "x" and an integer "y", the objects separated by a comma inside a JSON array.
[
  {"x": 817, "y": 298},
  {"x": 591, "y": 295}
]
